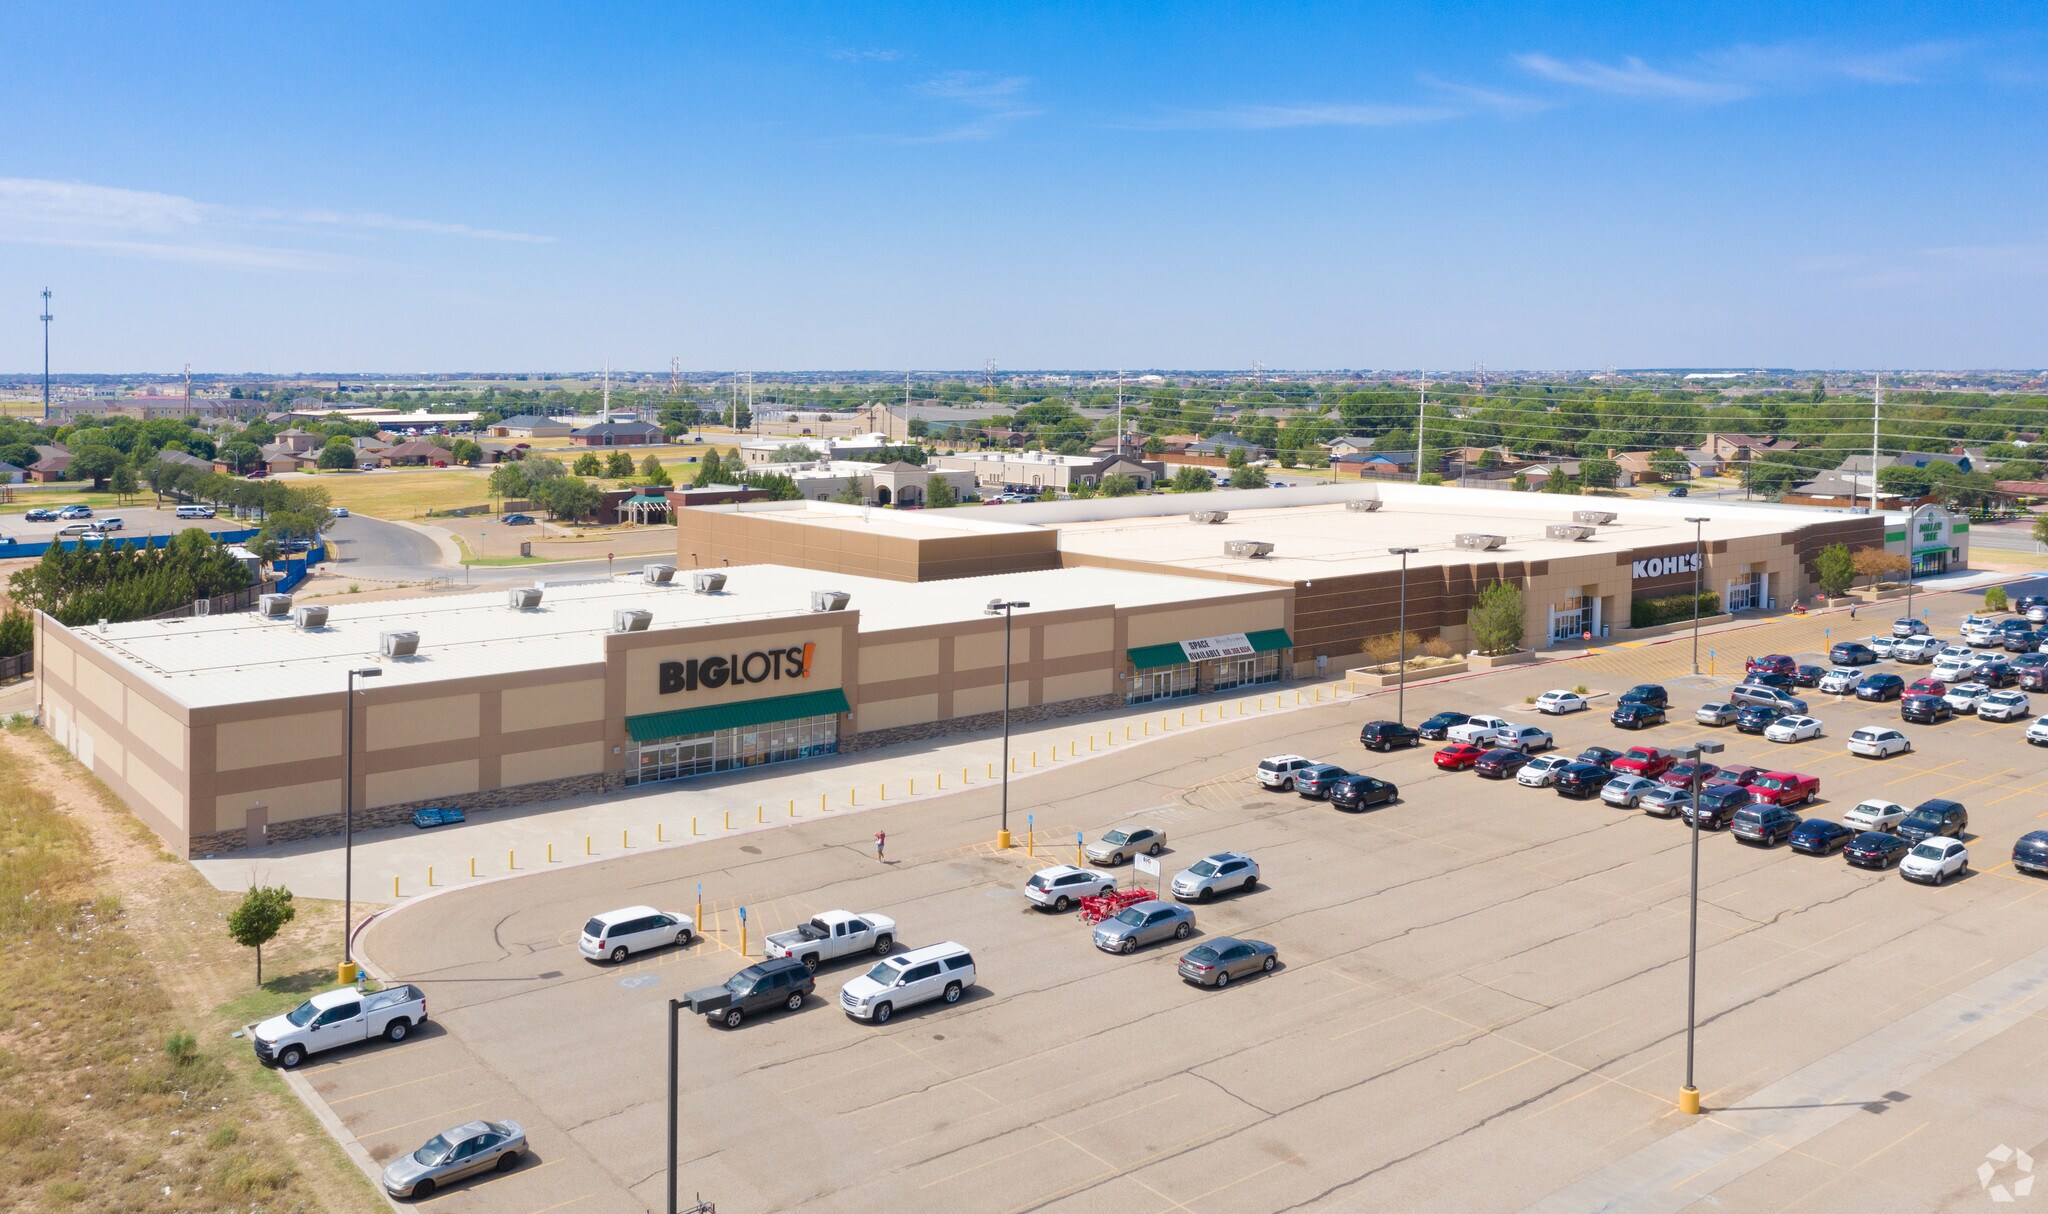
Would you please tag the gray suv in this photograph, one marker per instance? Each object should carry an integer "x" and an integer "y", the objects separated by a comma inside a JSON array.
[
  {"x": 1210, "y": 874},
  {"x": 1765, "y": 824},
  {"x": 1757, "y": 693},
  {"x": 1145, "y": 923}
]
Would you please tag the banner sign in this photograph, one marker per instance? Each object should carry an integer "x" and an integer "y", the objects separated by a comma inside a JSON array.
[{"x": 1234, "y": 645}]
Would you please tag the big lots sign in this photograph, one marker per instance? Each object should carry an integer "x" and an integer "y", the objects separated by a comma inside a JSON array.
[
  {"x": 760, "y": 666},
  {"x": 1664, "y": 566}
]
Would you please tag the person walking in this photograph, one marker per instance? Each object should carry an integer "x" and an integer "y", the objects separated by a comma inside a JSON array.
[
  {"x": 881, "y": 839},
  {"x": 1852, "y": 611}
]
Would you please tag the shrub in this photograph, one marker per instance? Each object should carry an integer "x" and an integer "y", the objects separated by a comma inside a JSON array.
[
  {"x": 1996, "y": 600},
  {"x": 180, "y": 1048},
  {"x": 1579, "y": 688},
  {"x": 1496, "y": 620},
  {"x": 1387, "y": 647},
  {"x": 1648, "y": 613}
]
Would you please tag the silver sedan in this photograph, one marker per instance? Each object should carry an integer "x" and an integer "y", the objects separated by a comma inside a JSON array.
[
  {"x": 1144, "y": 923},
  {"x": 1216, "y": 962},
  {"x": 1120, "y": 844},
  {"x": 466, "y": 1150}
]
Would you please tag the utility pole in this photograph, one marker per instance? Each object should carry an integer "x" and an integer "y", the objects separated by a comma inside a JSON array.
[
  {"x": 1120, "y": 411},
  {"x": 1421, "y": 420},
  {"x": 750, "y": 403},
  {"x": 988, "y": 373},
  {"x": 732, "y": 417},
  {"x": 46, "y": 354},
  {"x": 1876, "y": 404},
  {"x": 188, "y": 385},
  {"x": 606, "y": 416},
  {"x": 906, "y": 407}
]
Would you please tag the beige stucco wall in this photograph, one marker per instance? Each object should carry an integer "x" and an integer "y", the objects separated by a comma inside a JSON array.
[
  {"x": 420, "y": 783},
  {"x": 421, "y": 722},
  {"x": 974, "y": 650},
  {"x": 157, "y": 792},
  {"x": 56, "y": 659},
  {"x": 1080, "y": 636},
  {"x": 907, "y": 660},
  {"x": 1189, "y": 623},
  {"x": 282, "y": 803},
  {"x": 888, "y": 714},
  {"x": 551, "y": 704},
  {"x": 553, "y": 763},
  {"x": 968, "y": 701},
  {"x": 1078, "y": 686},
  {"x": 97, "y": 686},
  {"x": 161, "y": 733},
  {"x": 286, "y": 739}
]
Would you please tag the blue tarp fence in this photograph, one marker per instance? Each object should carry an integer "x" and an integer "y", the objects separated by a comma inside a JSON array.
[{"x": 10, "y": 548}]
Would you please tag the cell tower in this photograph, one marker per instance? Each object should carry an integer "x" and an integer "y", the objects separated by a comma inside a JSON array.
[
  {"x": 988, "y": 373},
  {"x": 46, "y": 354},
  {"x": 675, "y": 376},
  {"x": 188, "y": 385},
  {"x": 1258, "y": 373},
  {"x": 1479, "y": 374}
]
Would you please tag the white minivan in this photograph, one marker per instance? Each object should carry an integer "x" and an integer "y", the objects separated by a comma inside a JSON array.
[
  {"x": 937, "y": 971},
  {"x": 635, "y": 929},
  {"x": 195, "y": 512}
]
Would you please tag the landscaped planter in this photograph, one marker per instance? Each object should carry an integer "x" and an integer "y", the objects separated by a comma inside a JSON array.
[
  {"x": 1662, "y": 630},
  {"x": 1880, "y": 595},
  {"x": 1372, "y": 678}
]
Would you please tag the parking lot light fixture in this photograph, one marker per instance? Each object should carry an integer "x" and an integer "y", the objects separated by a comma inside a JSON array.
[
  {"x": 348, "y": 819},
  {"x": 1005, "y": 608},
  {"x": 1689, "y": 1095},
  {"x": 1699, "y": 562},
  {"x": 1401, "y": 632}
]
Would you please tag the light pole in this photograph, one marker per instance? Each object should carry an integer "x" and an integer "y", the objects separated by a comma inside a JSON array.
[
  {"x": 1401, "y": 688},
  {"x": 1699, "y": 562},
  {"x": 348, "y": 819},
  {"x": 1912, "y": 522},
  {"x": 675, "y": 1020},
  {"x": 1689, "y": 1096},
  {"x": 1005, "y": 608}
]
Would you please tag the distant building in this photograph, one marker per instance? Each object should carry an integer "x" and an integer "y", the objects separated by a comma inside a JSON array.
[
  {"x": 1035, "y": 470},
  {"x": 617, "y": 434},
  {"x": 11, "y": 475},
  {"x": 532, "y": 425}
]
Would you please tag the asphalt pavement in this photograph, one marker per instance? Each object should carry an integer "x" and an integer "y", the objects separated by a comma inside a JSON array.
[{"x": 377, "y": 550}]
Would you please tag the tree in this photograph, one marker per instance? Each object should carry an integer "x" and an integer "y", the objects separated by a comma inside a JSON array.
[
  {"x": 1767, "y": 478},
  {"x": 17, "y": 633},
  {"x": 1669, "y": 464},
  {"x": 95, "y": 463},
  {"x": 1116, "y": 484},
  {"x": 263, "y": 912},
  {"x": 339, "y": 453},
  {"x": 1903, "y": 480},
  {"x": 1496, "y": 619},
  {"x": 587, "y": 465},
  {"x": 239, "y": 455},
  {"x": 1187, "y": 479},
  {"x": 510, "y": 480},
  {"x": 1247, "y": 477},
  {"x": 467, "y": 452},
  {"x": 1834, "y": 569},
  {"x": 1519, "y": 482},
  {"x": 2041, "y": 529},
  {"x": 1234, "y": 458},
  {"x": 938, "y": 493},
  {"x": 652, "y": 472},
  {"x": 1600, "y": 473},
  {"x": 709, "y": 472},
  {"x": 796, "y": 453},
  {"x": 568, "y": 497},
  {"x": 853, "y": 493},
  {"x": 1875, "y": 563},
  {"x": 1995, "y": 599},
  {"x": 122, "y": 482},
  {"x": 618, "y": 465}
]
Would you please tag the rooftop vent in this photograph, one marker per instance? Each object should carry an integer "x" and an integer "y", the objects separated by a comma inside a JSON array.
[
  {"x": 398, "y": 644},
  {"x": 1598, "y": 518},
  {"x": 657, "y": 575},
  {"x": 829, "y": 600},
  {"x": 1248, "y": 549},
  {"x": 274, "y": 606},
  {"x": 707, "y": 583},
  {"x": 523, "y": 598},
  {"x": 1209, "y": 516},
  {"x": 1568, "y": 531},
  {"x": 1476, "y": 540},
  {"x": 631, "y": 619},
  {"x": 1365, "y": 505},
  {"x": 310, "y": 617}
]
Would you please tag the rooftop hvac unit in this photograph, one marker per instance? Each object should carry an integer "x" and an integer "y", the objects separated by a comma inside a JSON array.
[
  {"x": 398, "y": 644},
  {"x": 631, "y": 619},
  {"x": 657, "y": 575},
  {"x": 707, "y": 583},
  {"x": 1475, "y": 540},
  {"x": 523, "y": 598},
  {"x": 311, "y": 617},
  {"x": 1568, "y": 531},
  {"x": 1598, "y": 518},
  {"x": 274, "y": 606},
  {"x": 1364, "y": 504},
  {"x": 1209, "y": 516},
  {"x": 1248, "y": 549},
  {"x": 829, "y": 600}
]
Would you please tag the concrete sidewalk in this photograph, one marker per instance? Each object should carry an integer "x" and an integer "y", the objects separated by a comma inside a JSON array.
[{"x": 394, "y": 863}]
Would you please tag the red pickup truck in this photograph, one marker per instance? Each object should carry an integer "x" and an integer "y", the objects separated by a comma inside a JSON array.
[
  {"x": 1786, "y": 788},
  {"x": 1645, "y": 761}
]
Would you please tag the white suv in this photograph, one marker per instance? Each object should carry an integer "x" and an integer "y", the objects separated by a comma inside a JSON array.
[
  {"x": 937, "y": 971},
  {"x": 635, "y": 929},
  {"x": 2037, "y": 731},
  {"x": 1880, "y": 742},
  {"x": 1278, "y": 772},
  {"x": 1063, "y": 885},
  {"x": 1526, "y": 738},
  {"x": 2004, "y": 706}
]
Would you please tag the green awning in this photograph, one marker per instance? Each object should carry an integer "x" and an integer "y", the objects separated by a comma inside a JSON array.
[
  {"x": 683, "y": 722},
  {"x": 1151, "y": 657}
]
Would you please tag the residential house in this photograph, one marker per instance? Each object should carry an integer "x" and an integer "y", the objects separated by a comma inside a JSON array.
[
  {"x": 532, "y": 425},
  {"x": 1741, "y": 448},
  {"x": 280, "y": 457},
  {"x": 415, "y": 453},
  {"x": 184, "y": 459},
  {"x": 298, "y": 441},
  {"x": 1837, "y": 492},
  {"x": 11, "y": 475},
  {"x": 1349, "y": 445},
  {"x": 1223, "y": 444},
  {"x": 52, "y": 463},
  {"x": 617, "y": 434}
]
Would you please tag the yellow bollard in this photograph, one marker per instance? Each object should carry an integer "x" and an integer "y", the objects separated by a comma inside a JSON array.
[
  {"x": 693, "y": 826},
  {"x": 760, "y": 813},
  {"x": 728, "y": 819},
  {"x": 1028, "y": 841},
  {"x": 699, "y": 920},
  {"x": 942, "y": 781},
  {"x": 1034, "y": 758},
  {"x": 883, "y": 794},
  {"x": 430, "y": 875},
  {"x": 1091, "y": 743},
  {"x": 659, "y": 837},
  {"x": 623, "y": 844},
  {"x": 551, "y": 853},
  {"x": 586, "y": 845},
  {"x": 853, "y": 796},
  {"x": 1240, "y": 708},
  {"x": 1148, "y": 727},
  {"x": 792, "y": 807},
  {"x": 1688, "y": 1100},
  {"x": 1204, "y": 715},
  {"x": 913, "y": 786},
  {"x": 821, "y": 802},
  {"x": 394, "y": 888},
  {"x": 743, "y": 937},
  {"x": 510, "y": 862},
  {"x": 1013, "y": 765},
  {"x": 472, "y": 866},
  {"x": 992, "y": 768},
  {"x": 1183, "y": 719},
  {"x": 1127, "y": 733}
]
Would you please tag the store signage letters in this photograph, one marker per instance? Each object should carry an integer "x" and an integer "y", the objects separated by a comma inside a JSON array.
[
  {"x": 1234, "y": 645},
  {"x": 760, "y": 666},
  {"x": 1659, "y": 566}
]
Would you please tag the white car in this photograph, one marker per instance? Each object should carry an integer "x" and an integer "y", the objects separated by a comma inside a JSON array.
[
  {"x": 1279, "y": 771},
  {"x": 1063, "y": 886},
  {"x": 2004, "y": 706},
  {"x": 1916, "y": 649},
  {"x": 1953, "y": 650},
  {"x": 2037, "y": 731},
  {"x": 1541, "y": 772},
  {"x": 1981, "y": 630},
  {"x": 1665, "y": 801},
  {"x": 1625, "y": 791},
  {"x": 1882, "y": 646},
  {"x": 1557, "y": 703},
  {"x": 1875, "y": 814},
  {"x": 1935, "y": 860},
  {"x": 112, "y": 524},
  {"x": 1963, "y": 697},
  {"x": 633, "y": 929},
  {"x": 1840, "y": 681},
  {"x": 936, "y": 971},
  {"x": 1951, "y": 669},
  {"x": 1879, "y": 742},
  {"x": 1479, "y": 731},
  {"x": 1792, "y": 729},
  {"x": 1526, "y": 738}
]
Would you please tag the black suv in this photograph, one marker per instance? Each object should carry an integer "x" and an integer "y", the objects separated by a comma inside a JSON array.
[
  {"x": 1768, "y": 825},
  {"x": 1636, "y": 714},
  {"x": 1386, "y": 735},
  {"x": 1719, "y": 803},
  {"x": 1755, "y": 718},
  {"x": 1582, "y": 780},
  {"x": 1362, "y": 792},
  {"x": 1936, "y": 817},
  {"x": 782, "y": 982},
  {"x": 1438, "y": 727},
  {"x": 1646, "y": 693},
  {"x": 1996, "y": 674},
  {"x": 1925, "y": 710},
  {"x": 1880, "y": 687}
]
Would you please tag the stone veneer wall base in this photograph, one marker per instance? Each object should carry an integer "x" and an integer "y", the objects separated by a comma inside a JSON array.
[
  {"x": 397, "y": 815},
  {"x": 1020, "y": 715}
]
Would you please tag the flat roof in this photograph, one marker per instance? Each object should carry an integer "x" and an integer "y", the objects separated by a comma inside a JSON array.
[
  {"x": 239, "y": 658},
  {"x": 880, "y": 520}
]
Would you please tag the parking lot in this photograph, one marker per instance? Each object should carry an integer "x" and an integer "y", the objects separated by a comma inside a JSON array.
[
  {"x": 1482, "y": 993},
  {"x": 140, "y": 517}
]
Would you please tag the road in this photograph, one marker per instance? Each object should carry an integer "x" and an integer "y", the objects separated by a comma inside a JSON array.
[{"x": 376, "y": 550}]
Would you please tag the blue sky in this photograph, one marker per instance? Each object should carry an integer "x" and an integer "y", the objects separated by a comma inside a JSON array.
[{"x": 532, "y": 187}]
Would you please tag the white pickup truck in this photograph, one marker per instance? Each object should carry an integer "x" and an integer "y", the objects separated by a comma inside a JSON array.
[
  {"x": 339, "y": 1017},
  {"x": 1479, "y": 731},
  {"x": 834, "y": 934}
]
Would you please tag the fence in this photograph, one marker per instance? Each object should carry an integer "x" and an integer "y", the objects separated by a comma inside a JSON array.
[
  {"x": 221, "y": 604},
  {"x": 12, "y": 548},
  {"x": 21, "y": 665}
]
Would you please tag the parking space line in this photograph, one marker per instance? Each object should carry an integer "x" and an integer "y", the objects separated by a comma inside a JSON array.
[
  {"x": 332, "y": 1100},
  {"x": 558, "y": 1205},
  {"x": 1536, "y": 1054},
  {"x": 362, "y": 1134}
]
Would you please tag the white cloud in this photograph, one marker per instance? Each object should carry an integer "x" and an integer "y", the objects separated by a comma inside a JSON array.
[
  {"x": 170, "y": 227},
  {"x": 994, "y": 102},
  {"x": 856, "y": 55},
  {"x": 1632, "y": 78},
  {"x": 1304, "y": 114},
  {"x": 1745, "y": 70}
]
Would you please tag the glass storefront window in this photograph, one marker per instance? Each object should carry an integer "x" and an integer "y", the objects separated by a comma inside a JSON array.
[
  {"x": 728, "y": 749},
  {"x": 1245, "y": 671},
  {"x": 1162, "y": 683}
]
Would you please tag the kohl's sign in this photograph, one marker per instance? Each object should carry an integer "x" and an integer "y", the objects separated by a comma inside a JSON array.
[{"x": 1662, "y": 566}]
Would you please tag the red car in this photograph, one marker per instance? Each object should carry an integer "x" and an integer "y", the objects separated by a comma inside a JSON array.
[
  {"x": 1927, "y": 687},
  {"x": 1645, "y": 761},
  {"x": 1786, "y": 788},
  {"x": 1772, "y": 663},
  {"x": 1457, "y": 757},
  {"x": 1680, "y": 775},
  {"x": 1741, "y": 775}
]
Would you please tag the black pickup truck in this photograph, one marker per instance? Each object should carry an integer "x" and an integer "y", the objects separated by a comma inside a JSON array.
[{"x": 780, "y": 982}]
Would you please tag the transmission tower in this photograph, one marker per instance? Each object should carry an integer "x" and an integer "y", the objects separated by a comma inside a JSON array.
[
  {"x": 988, "y": 373},
  {"x": 675, "y": 376},
  {"x": 46, "y": 354}
]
